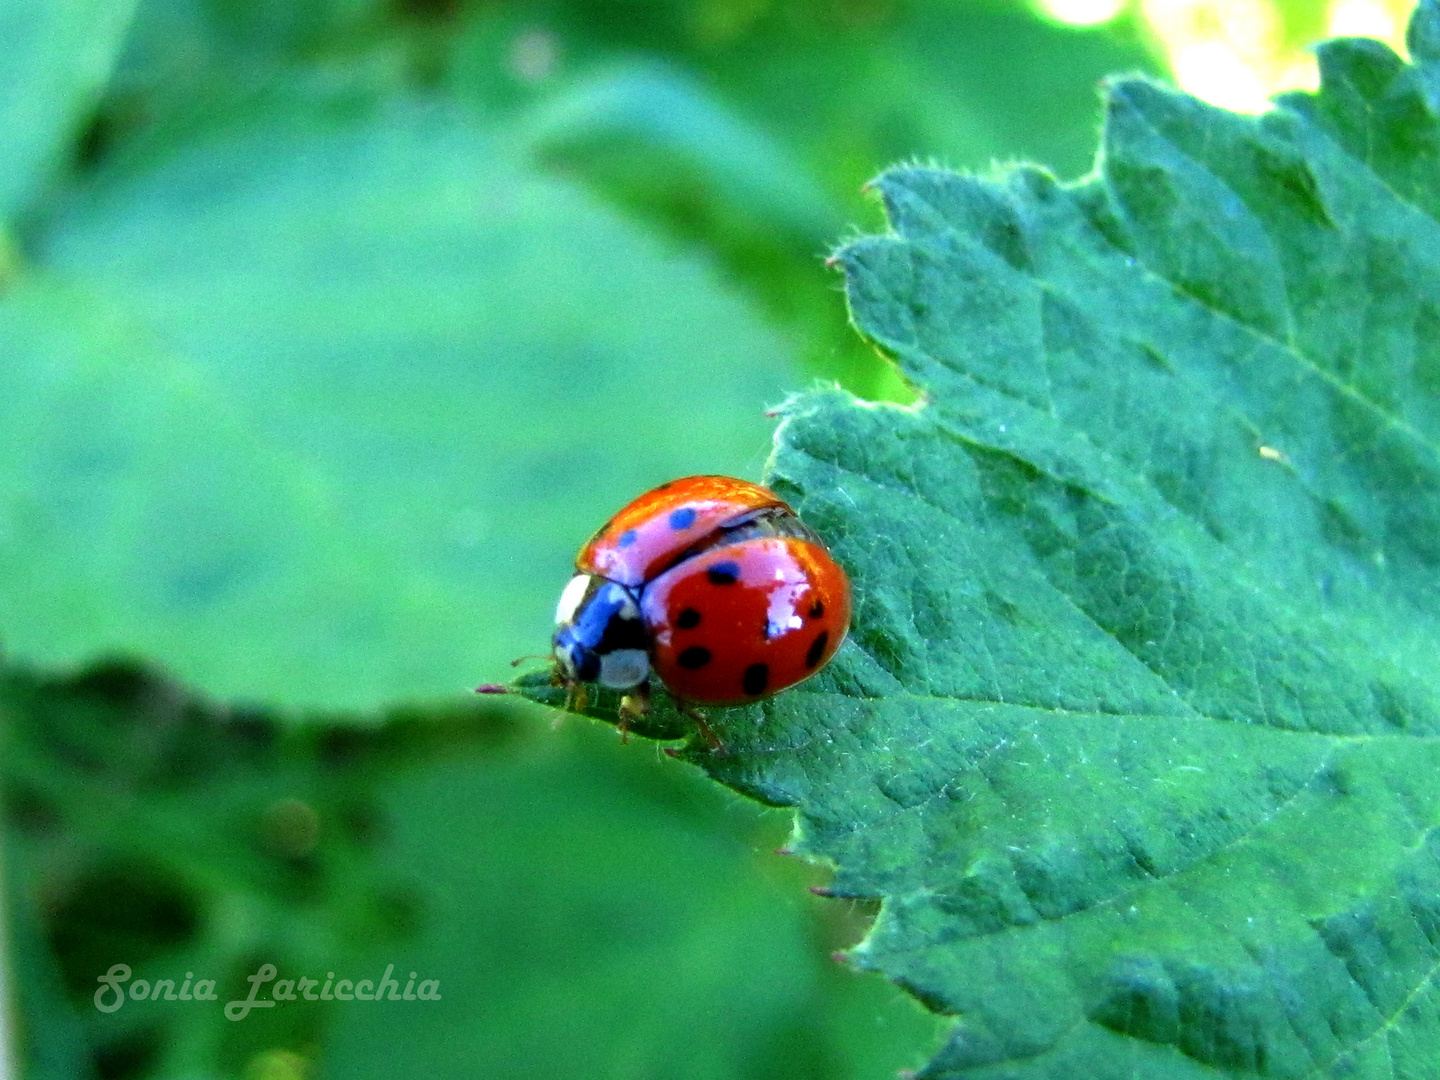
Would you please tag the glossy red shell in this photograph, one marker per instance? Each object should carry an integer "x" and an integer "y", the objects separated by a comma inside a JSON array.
[
  {"x": 740, "y": 622},
  {"x": 728, "y": 620},
  {"x": 643, "y": 539}
]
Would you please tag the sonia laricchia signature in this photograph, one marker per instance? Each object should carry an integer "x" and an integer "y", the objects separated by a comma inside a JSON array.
[{"x": 116, "y": 987}]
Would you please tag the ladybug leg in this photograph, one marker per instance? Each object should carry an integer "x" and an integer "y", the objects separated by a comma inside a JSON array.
[
  {"x": 706, "y": 731},
  {"x": 575, "y": 697},
  {"x": 633, "y": 706}
]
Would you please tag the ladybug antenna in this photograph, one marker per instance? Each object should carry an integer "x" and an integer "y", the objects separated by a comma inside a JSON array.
[{"x": 533, "y": 656}]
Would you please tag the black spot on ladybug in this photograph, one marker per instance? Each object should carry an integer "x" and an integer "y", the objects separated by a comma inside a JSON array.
[
  {"x": 756, "y": 678},
  {"x": 723, "y": 573},
  {"x": 682, "y": 518},
  {"x": 622, "y": 631},
  {"x": 696, "y": 656},
  {"x": 626, "y": 538},
  {"x": 817, "y": 648},
  {"x": 817, "y": 609},
  {"x": 688, "y": 619}
]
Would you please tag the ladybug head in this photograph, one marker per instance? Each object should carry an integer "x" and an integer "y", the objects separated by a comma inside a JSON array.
[{"x": 599, "y": 635}]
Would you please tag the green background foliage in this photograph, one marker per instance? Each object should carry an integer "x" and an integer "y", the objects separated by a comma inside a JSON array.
[
  {"x": 1134, "y": 733},
  {"x": 331, "y": 328}
]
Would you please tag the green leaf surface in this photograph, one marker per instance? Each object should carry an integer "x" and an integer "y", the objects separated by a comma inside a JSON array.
[
  {"x": 56, "y": 57},
  {"x": 1135, "y": 733},
  {"x": 316, "y": 411}
]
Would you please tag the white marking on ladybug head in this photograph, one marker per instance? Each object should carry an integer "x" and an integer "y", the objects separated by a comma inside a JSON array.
[
  {"x": 570, "y": 599},
  {"x": 565, "y": 657},
  {"x": 624, "y": 668},
  {"x": 628, "y": 611}
]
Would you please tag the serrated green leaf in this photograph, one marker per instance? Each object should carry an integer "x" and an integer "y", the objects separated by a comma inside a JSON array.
[
  {"x": 56, "y": 58},
  {"x": 313, "y": 411},
  {"x": 1136, "y": 729}
]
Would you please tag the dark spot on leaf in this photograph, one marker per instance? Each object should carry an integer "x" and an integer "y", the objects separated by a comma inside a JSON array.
[
  {"x": 817, "y": 648},
  {"x": 118, "y": 684},
  {"x": 626, "y": 538},
  {"x": 724, "y": 573},
  {"x": 1002, "y": 608},
  {"x": 757, "y": 677},
  {"x": 696, "y": 656},
  {"x": 96, "y": 139},
  {"x": 1336, "y": 780},
  {"x": 688, "y": 619},
  {"x": 817, "y": 609},
  {"x": 136, "y": 909},
  {"x": 1340, "y": 527},
  {"x": 1291, "y": 178},
  {"x": 1157, "y": 359},
  {"x": 682, "y": 518},
  {"x": 1141, "y": 1001},
  {"x": 30, "y": 809},
  {"x": 129, "y": 1055},
  {"x": 1392, "y": 704}
]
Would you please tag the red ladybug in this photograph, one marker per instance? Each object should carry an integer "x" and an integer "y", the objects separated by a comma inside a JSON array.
[{"x": 711, "y": 583}]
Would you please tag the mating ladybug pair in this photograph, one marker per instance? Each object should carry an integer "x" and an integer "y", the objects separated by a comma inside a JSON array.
[{"x": 711, "y": 584}]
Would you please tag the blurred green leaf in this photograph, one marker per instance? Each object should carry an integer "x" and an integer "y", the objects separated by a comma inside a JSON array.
[
  {"x": 744, "y": 130},
  {"x": 183, "y": 38},
  {"x": 56, "y": 58},
  {"x": 49, "y": 1039},
  {"x": 844, "y": 88},
  {"x": 597, "y": 916},
  {"x": 147, "y": 828},
  {"x": 541, "y": 877},
  {"x": 1135, "y": 732},
  {"x": 318, "y": 412},
  {"x": 754, "y": 136},
  {"x": 662, "y": 110}
]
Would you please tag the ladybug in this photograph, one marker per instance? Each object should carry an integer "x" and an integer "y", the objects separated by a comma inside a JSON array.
[{"x": 711, "y": 584}]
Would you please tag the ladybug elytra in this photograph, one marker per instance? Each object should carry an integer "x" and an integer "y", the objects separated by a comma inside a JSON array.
[{"x": 711, "y": 584}]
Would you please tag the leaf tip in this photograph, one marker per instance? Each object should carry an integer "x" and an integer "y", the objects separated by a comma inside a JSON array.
[
  {"x": 1422, "y": 37},
  {"x": 1124, "y": 94}
]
